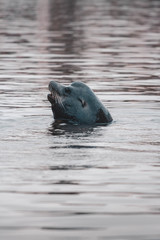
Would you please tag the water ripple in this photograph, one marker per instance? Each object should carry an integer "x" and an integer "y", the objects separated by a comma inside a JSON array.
[{"x": 76, "y": 181}]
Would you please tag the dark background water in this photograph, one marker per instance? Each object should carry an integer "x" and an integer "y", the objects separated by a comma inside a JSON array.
[{"x": 80, "y": 182}]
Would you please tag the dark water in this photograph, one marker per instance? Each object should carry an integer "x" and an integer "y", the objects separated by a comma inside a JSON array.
[{"x": 77, "y": 182}]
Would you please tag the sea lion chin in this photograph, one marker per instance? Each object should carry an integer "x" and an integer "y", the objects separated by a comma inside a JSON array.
[{"x": 77, "y": 104}]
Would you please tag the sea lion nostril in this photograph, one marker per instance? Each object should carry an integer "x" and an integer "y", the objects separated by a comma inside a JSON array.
[
  {"x": 50, "y": 87},
  {"x": 53, "y": 86}
]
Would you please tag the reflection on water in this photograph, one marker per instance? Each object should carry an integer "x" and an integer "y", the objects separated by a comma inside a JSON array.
[
  {"x": 74, "y": 131},
  {"x": 76, "y": 182}
]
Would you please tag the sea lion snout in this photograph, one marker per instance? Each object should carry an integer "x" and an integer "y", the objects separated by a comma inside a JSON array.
[{"x": 56, "y": 87}]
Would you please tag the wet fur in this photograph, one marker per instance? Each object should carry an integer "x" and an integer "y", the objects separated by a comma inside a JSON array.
[{"x": 77, "y": 104}]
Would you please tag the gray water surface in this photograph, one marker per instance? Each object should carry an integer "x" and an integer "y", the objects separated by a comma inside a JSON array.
[{"x": 77, "y": 182}]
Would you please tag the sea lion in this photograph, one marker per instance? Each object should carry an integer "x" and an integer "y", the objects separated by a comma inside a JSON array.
[{"x": 77, "y": 104}]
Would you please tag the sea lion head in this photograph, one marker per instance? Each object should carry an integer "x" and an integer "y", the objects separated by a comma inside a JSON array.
[{"x": 77, "y": 103}]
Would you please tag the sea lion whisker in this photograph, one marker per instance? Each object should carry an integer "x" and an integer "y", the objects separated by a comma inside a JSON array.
[{"x": 58, "y": 99}]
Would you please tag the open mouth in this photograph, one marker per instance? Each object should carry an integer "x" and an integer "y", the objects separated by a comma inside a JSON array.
[{"x": 51, "y": 97}]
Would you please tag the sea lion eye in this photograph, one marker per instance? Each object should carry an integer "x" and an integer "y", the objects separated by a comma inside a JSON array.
[
  {"x": 67, "y": 90},
  {"x": 82, "y": 102}
]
